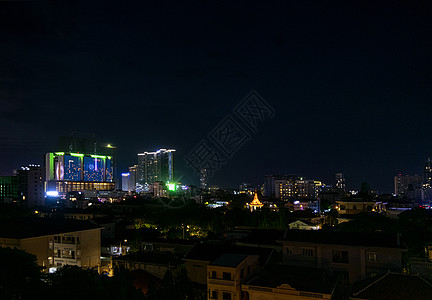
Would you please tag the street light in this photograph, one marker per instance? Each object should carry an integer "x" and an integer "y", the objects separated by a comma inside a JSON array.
[{"x": 121, "y": 249}]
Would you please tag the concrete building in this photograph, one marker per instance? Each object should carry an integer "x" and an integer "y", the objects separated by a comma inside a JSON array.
[
  {"x": 290, "y": 189},
  {"x": 282, "y": 282},
  {"x": 355, "y": 206},
  {"x": 31, "y": 185},
  {"x": 55, "y": 242},
  {"x": 155, "y": 166},
  {"x": 403, "y": 184},
  {"x": 9, "y": 189},
  {"x": 226, "y": 274},
  {"x": 340, "y": 181},
  {"x": 76, "y": 172},
  {"x": 354, "y": 256}
]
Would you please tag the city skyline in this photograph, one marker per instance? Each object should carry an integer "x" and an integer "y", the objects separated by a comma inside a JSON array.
[{"x": 349, "y": 83}]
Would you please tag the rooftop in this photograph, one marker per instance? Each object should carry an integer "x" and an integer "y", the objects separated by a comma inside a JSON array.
[
  {"x": 210, "y": 252},
  {"x": 33, "y": 227},
  {"x": 375, "y": 239},
  {"x": 393, "y": 286},
  {"x": 299, "y": 278},
  {"x": 229, "y": 260}
]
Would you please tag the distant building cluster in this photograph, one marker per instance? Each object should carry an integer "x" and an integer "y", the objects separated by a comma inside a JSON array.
[{"x": 415, "y": 187}]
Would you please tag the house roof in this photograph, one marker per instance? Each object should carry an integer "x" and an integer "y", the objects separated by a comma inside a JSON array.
[
  {"x": 300, "y": 278},
  {"x": 161, "y": 258},
  {"x": 375, "y": 239},
  {"x": 393, "y": 286},
  {"x": 33, "y": 227},
  {"x": 229, "y": 260},
  {"x": 210, "y": 252}
]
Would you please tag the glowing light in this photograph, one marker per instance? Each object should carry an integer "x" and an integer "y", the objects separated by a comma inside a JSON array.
[
  {"x": 59, "y": 153},
  {"x": 98, "y": 156},
  {"x": 77, "y": 154},
  {"x": 171, "y": 186},
  {"x": 52, "y": 193}
]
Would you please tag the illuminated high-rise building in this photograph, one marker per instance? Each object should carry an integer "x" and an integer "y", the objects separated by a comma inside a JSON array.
[
  {"x": 274, "y": 185},
  {"x": 340, "y": 181},
  {"x": 155, "y": 166},
  {"x": 427, "y": 174},
  {"x": 133, "y": 178},
  {"x": 405, "y": 184},
  {"x": 125, "y": 181},
  {"x": 9, "y": 189},
  {"x": 31, "y": 185},
  {"x": 90, "y": 144},
  {"x": 203, "y": 178},
  {"x": 68, "y": 172}
]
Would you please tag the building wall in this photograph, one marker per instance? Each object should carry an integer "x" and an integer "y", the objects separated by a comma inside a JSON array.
[
  {"x": 281, "y": 293},
  {"x": 43, "y": 247},
  {"x": 358, "y": 263},
  {"x": 233, "y": 286},
  {"x": 197, "y": 270}
]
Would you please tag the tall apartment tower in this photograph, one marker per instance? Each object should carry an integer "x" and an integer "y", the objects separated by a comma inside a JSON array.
[
  {"x": 155, "y": 166},
  {"x": 203, "y": 178},
  {"x": 404, "y": 184},
  {"x": 31, "y": 185},
  {"x": 272, "y": 184},
  {"x": 340, "y": 181},
  {"x": 427, "y": 174},
  {"x": 133, "y": 178}
]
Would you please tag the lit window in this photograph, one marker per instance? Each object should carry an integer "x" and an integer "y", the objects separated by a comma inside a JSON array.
[
  {"x": 371, "y": 257},
  {"x": 308, "y": 252},
  {"x": 340, "y": 256}
]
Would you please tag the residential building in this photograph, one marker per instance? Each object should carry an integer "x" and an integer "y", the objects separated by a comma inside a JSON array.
[
  {"x": 272, "y": 182},
  {"x": 284, "y": 282},
  {"x": 340, "y": 181},
  {"x": 201, "y": 255},
  {"x": 403, "y": 184},
  {"x": 354, "y": 256},
  {"x": 156, "y": 166},
  {"x": 357, "y": 205},
  {"x": 55, "y": 242},
  {"x": 125, "y": 182},
  {"x": 133, "y": 178},
  {"x": 9, "y": 189},
  {"x": 304, "y": 225},
  {"x": 226, "y": 274},
  {"x": 31, "y": 185}
]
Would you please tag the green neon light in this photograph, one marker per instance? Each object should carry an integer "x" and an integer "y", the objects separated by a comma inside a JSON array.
[
  {"x": 77, "y": 154},
  {"x": 109, "y": 157},
  {"x": 171, "y": 186},
  {"x": 59, "y": 153},
  {"x": 98, "y": 156}
]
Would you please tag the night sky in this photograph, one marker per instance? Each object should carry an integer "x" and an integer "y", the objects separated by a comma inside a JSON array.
[{"x": 350, "y": 82}]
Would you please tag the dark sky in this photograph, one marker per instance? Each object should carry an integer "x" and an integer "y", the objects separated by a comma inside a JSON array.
[{"x": 350, "y": 82}]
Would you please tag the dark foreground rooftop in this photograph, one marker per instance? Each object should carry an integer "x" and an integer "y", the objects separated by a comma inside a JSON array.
[
  {"x": 33, "y": 227},
  {"x": 393, "y": 286},
  {"x": 343, "y": 238},
  {"x": 299, "y": 278}
]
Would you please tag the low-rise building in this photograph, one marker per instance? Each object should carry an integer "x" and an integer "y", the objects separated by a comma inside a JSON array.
[
  {"x": 353, "y": 255},
  {"x": 282, "y": 282},
  {"x": 226, "y": 274},
  {"x": 355, "y": 206},
  {"x": 304, "y": 225},
  {"x": 55, "y": 242}
]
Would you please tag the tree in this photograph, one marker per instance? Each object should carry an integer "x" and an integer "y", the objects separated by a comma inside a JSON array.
[{"x": 20, "y": 275}]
